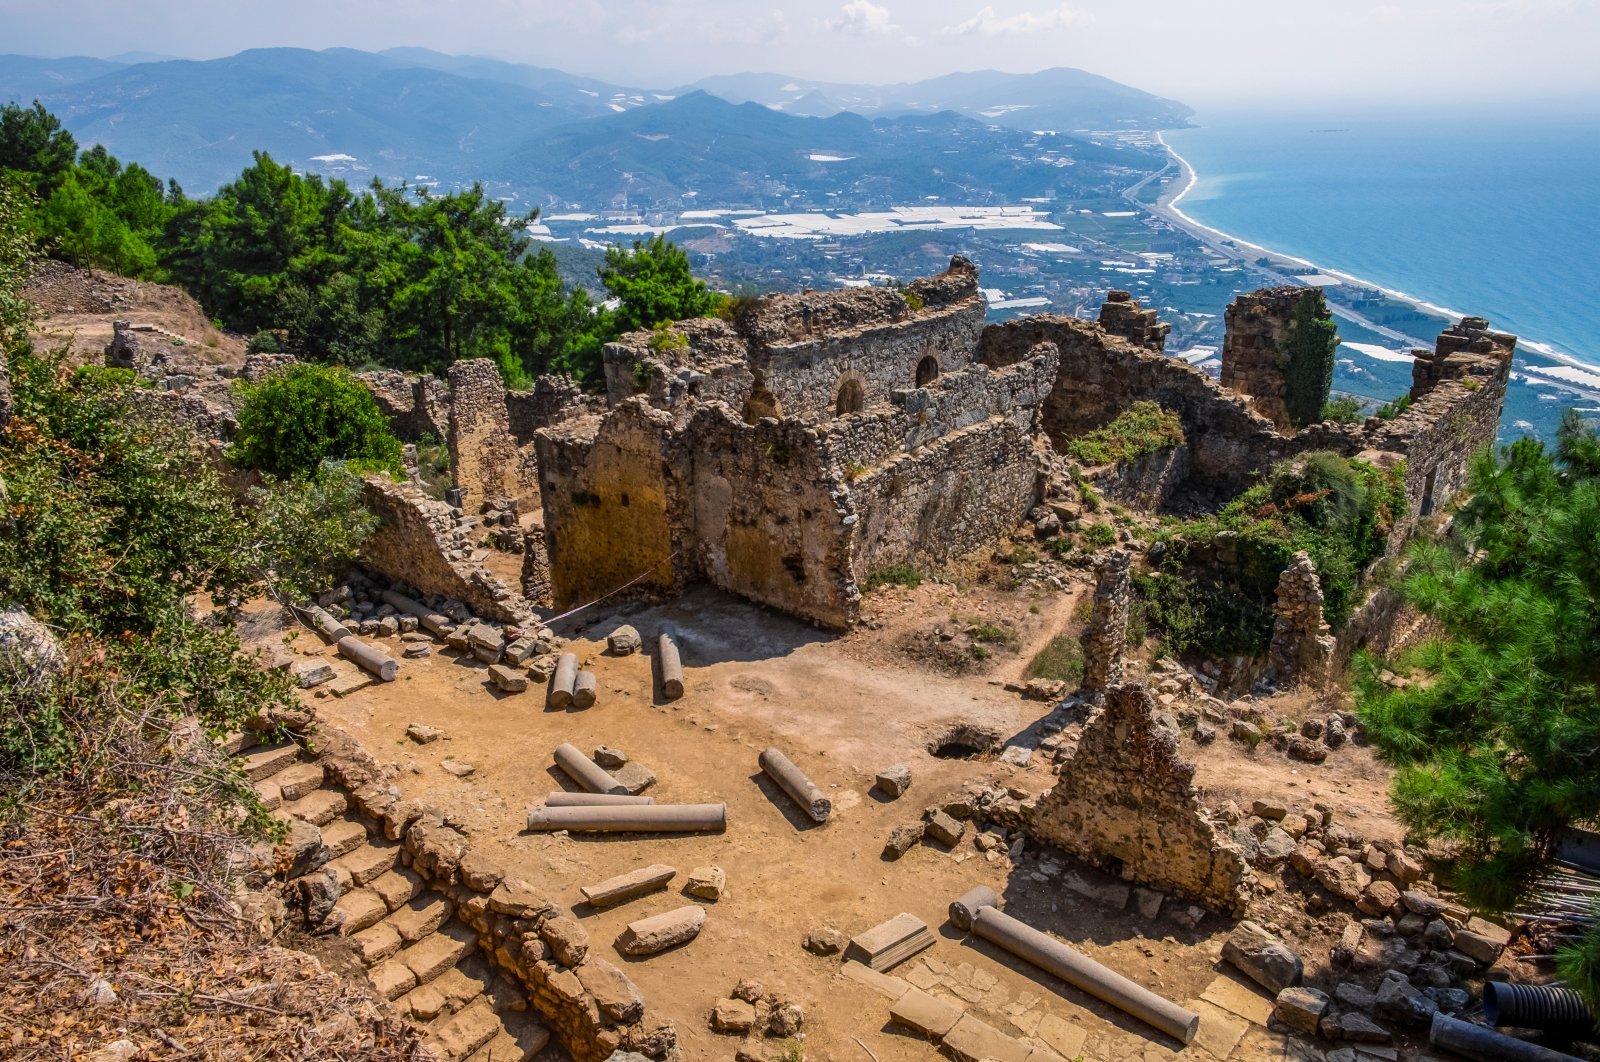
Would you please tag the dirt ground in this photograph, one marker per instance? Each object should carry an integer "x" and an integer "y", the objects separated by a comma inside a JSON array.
[
  {"x": 842, "y": 707},
  {"x": 77, "y": 309}
]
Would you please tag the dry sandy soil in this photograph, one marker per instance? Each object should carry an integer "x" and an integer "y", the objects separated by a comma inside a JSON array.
[{"x": 842, "y": 707}]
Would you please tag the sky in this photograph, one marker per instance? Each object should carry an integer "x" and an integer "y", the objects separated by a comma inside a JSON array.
[{"x": 1204, "y": 52}]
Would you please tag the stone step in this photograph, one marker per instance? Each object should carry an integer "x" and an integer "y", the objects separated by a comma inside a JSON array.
[
  {"x": 455, "y": 1037},
  {"x": 318, "y": 808},
  {"x": 343, "y": 836},
  {"x": 376, "y": 943},
  {"x": 270, "y": 795},
  {"x": 397, "y": 886},
  {"x": 417, "y": 918},
  {"x": 260, "y": 764},
  {"x": 298, "y": 780},
  {"x": 359, "y": 909},
  {"x": 392, "y": 978},
  {"x": 519, "y": 1040},
  {"x": 367, "y": 863},
  {"x": 437, "y": 952}
]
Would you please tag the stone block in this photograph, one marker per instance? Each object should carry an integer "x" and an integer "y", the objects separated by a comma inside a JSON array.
[
  {"x": 928, "y": 1015},
  {"x": 617, "y": 997},
  {"x": 1262, "y": 957},
  {"x": 971, "y": 1040},
  {"x": 892, "y": 782},
  {"x": 706, "y": 883},
  {"x": 660, "y": 932},
  {"x": 567, "y": 939},
  {"x": 1301, "y": 1009},
  {"x": 630, "y": 885},
  {"x": 902, "y": 839},
  {"x": 944, "y": 829},
  {"x": 733, "y": 1016},
  {"x": 506, "y": 679}
]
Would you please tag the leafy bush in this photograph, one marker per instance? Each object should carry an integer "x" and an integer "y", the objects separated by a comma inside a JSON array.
[
  {"x": 291, "y": 423},
  {"x": 1099, "y": 536},
  {"x": 1339, "y": 511},
  {"x": 1061, "y": 659},
  {"x": 1395, "y": 406},
  {"x": 992, "y": 634},
  {"x": 895, "y": 575},
  {"x": 1142, "y": 428},
  {"x": 1344, "y": 410}
]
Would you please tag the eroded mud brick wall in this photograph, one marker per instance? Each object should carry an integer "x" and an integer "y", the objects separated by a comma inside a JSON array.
[
  {"x": 1126, "y": 802},
  {"x": 614, "y": 491}
]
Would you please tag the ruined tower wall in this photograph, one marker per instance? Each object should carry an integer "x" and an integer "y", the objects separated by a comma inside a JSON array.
[
  {"x": 485, "y": 460},
  {"x": 766, "y": 525},
  {"x": 614, "y": 504},
  {"x": 1253, "y": 362},
  {"x": 1126, "y": 801},
  {"x": 415, "y": 405},
  {"x": 551, "y": 400}
]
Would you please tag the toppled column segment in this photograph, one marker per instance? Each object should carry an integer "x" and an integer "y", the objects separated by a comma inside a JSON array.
[{"x": 778, "y": 767}]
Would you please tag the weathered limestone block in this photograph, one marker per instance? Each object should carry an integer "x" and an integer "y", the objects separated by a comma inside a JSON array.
[
  {"x": 660, "y": 932},
  {"x": 1262, "y": 957},
  {"x": 1126, "y": 797},
  {"x": 1106, "y": 635}
]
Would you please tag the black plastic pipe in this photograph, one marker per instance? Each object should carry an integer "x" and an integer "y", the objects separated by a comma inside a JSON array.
[{"x": 1555, "y": 1010}]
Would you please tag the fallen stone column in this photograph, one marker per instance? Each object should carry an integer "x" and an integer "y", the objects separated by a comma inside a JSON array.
[
  {"x": 651, "y": 818},
  {"x": 436, "y": 624},
  {"x": 660, "y": 932},
  {"x": 585, "y": 689},
  {"x": 594, "y": 800},
  {"x": 798, "y": 786},
  {"x": 671, "y": 663},
  {"x": 628, "y": 886},
  {"x": 1077, "y": 969},
  {"x": 380, "y": 663},
  {"x": 324, "y": 623},
  {"x": 964, "y": 908},
  {"x": 584, "y": 771},
  {"x": 1480, "y": 1042},
  {"x": 565, "y": 681}
]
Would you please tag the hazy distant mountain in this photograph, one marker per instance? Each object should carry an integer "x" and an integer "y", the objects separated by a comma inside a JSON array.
[
  {"x": 364, "y": 114},
  {"x": 702, "y": 149},
  {"x": 1061, "y": 99},
  {"x": 410, "y": 112},
  {"x": 24, "y": 78}
]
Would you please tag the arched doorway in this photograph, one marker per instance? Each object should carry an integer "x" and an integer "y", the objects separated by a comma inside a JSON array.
[
  {"x": 927, "y": 370},
  {"x": 761, "y": 403},
  {"x": 850, "y": 399}
]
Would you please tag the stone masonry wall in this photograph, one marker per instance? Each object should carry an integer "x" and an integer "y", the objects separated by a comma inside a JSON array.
[
  {"x": 1253, "y": 362},
  {"x": 1122, "y": 315},
  {"x": 485, "y": 460},
  {"x": 415, "y": 405},
  {"x": 1126, "y": 802},
  {"x": 1105, "y": 638},
  {"x": 1301, "y": 651},
  {"x": 414, "y": 543},
  {"x": 551, "y": 400}
]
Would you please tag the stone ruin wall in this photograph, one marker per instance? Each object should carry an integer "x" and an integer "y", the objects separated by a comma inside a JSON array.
[
  {"x": 614, "y": 504},
  {"x": 416, "y": 406},
  {"x": 1126, "y": 802},
  {"x": 486, "y": 463},
  {"x": 419, "y": 542},
  {"x": 1122, "y": 315},
  {"x": 1253, "y": 362},
  {"x": 790, "y": 355}
]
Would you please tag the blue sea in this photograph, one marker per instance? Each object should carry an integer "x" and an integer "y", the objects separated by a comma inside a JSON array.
[{"x": 1491, "y": 215}]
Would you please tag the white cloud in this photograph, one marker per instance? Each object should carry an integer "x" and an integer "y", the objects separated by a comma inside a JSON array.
[
  {"x": 988, "y": 24},
  {"x": 862, "y": 18}
]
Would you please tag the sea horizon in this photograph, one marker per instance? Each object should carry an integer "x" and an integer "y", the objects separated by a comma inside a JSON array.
[{"x": 1393, "y": 204}]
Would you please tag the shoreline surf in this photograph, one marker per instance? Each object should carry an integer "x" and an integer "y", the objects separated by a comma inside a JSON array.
[{"x": 1169, "y": 208}]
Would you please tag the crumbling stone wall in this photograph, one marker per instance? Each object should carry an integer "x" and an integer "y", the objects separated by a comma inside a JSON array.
[
  {"x": 415, "y": 405},
  {"x": 419, "y": 542},
  {"x": 614, "y": 504},
  {"x": 790, "y": 355},
  {"x": 1253, "y": 358},
  {"x": 1302, "y": 648},
  {"x": 485, "y": 461},
  {"x": 1106, "y": 636},
  {"x": 551, "y": 400},
  {"x": 1122, "y": 315},
  {"x": 1126, "y": 802}
]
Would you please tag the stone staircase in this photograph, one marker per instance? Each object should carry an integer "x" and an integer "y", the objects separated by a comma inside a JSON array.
[{"x": 418, "y": 955}]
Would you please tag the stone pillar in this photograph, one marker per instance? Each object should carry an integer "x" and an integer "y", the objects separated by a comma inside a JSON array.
[
  {"x": 1253, "y": 358},
  {"x": 484, "y": 458},
  {"x": 1121, "y": 315},
  {"x": 1302, "y": 647},
  {"x": 1107, "y": 634}
]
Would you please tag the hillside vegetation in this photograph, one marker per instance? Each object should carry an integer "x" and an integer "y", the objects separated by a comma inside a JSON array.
[{"x": 391, "y": 276}]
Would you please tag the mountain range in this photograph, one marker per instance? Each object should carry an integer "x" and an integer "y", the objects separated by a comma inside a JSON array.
[{"x": 543, "y": 135}]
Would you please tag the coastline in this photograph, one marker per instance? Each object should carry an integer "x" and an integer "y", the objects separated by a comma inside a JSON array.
[{"x": 1167, "y": 207}]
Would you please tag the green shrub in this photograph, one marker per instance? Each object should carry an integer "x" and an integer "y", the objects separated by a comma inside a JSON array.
[
  {"x": 291, "y": 423},
  {"x": 1099, "y": 536},
  {"x": 1342, "y": 410},
  {"x": 1142, "y": 428},
  {"x": 992, "y": 634},
  {"x": 1061, "y": 659},
  {"x": 1395, "y": 406},
  {"x": 895, "y": 575}
]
